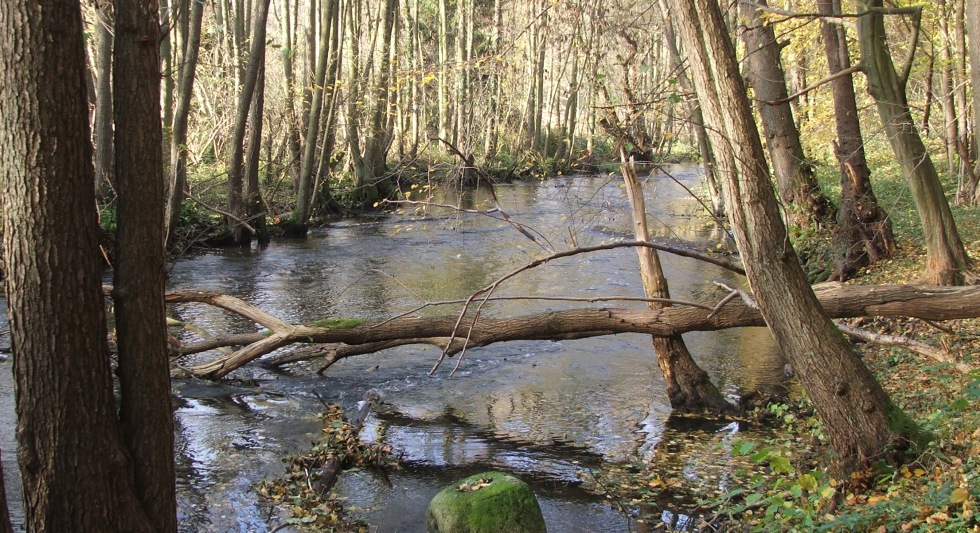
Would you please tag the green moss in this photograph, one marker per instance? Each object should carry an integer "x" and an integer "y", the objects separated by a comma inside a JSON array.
[
  {"x": 339, "y": 323},
  {"x": 488, "y": 502},
  {"x": 902, "y": 423}
]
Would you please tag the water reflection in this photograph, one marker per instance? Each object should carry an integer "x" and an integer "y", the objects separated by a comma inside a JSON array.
[{"x": 544, "y": 410}]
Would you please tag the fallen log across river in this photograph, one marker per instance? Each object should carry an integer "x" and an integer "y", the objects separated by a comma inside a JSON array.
[{"x": 338, "y": 339}]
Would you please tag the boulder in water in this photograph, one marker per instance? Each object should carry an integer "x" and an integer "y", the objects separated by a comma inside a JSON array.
[{"x": 489, "y": 502}]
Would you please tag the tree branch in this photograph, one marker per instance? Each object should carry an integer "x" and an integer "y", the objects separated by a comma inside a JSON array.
[
  {"x": 907, "y": 343},
  {"x": 840, "y": 301},
  {"x": 846, "y": 72}
]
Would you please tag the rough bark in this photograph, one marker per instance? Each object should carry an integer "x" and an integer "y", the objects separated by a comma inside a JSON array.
[
  {"x": 864, "y": 231},
  {"x": 144, "y": 372},
  {"x": 838, "y": 301},
  {"x": 947, "y": 262},
  {"x": 688, "y": 386},
  {"x": 178, "y": 144},
  {"x": 76, "y": 471},
  {"x": 861, "y": 422},
  {"x": 798, "y": 188},
  {"x": 5, "y": 525}
]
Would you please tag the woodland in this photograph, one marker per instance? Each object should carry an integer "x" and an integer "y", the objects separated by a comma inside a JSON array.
[{"x": 839, "y": 150}]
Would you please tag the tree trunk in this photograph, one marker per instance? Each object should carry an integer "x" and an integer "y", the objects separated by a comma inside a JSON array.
[
  {"x": 340, "y": 341},
  {"x": 254, "y": 209},
  {"x": 141, "y": 335},
  {"x": 178, "y": 145},
  {"x": 442, "y": 81},
  {"x": 293, "y": 141},
  {"x": 236, "y": 199},
  {"x": 76, "y": 471},
  {"x": 168, "y": 21},
  {"x": 946, "y": 84},
  {"x": 102, "y": 129},
  {"x": 946, "y": 260},
  {"x": 798, "y": 188},
  {"x": 973, "y": 29},
  {"x": 5, "y": 525},
  {"x": 967, "y": 171},
  {"x": 864, "y": 231},
  {"x": 708, "y": 155},
  {"x": 494, "y": 87},
  {"x": 688, "y": 386},
  {"x": 307, "y": 176},
  {"x": 860, "y": 420}
]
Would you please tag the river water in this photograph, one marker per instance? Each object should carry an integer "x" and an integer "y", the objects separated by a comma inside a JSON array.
[{"x": 546, "y": 411}]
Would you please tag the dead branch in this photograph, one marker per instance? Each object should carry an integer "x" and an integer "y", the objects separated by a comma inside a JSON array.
[
  {"x": 840, "y": 301},
  {"x": 920, "y": 348}
]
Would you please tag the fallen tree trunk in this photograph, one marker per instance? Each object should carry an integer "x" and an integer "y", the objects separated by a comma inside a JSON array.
[{"x": 346, "y": 338}]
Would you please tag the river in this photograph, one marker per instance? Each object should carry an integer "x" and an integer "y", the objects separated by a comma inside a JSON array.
[{"x": 545, "y": 411}]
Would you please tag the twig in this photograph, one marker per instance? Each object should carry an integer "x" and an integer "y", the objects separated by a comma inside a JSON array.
[
  {"x": 221, "y": 212},
  {"x": 907, "y": 343},
  {"x": 749, "y": 301},
  {"x": 731, "y": 296}
]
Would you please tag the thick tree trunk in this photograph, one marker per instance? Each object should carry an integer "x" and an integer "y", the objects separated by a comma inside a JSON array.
[
  {"x": 76, "y": 471},
  {"x": 864, "y": 231},
  {"x": 688, "y": 386},
  {"x": 839, "y": 301},
  {"x": 946, "y": 260},
  {"x": 141, "y": 335},
  {"x": 798, "y": 188},
  {"x": 178, "y": 144},
  {"x": 859, "y": 418}
]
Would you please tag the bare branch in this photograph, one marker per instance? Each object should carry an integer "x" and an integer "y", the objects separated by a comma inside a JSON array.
[
  {"x": 907, "y": 343},
  {"x": 801, "y": 92}
]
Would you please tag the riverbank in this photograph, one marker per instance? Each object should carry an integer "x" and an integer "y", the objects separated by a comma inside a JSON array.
[{"x": 783, "y": 482}]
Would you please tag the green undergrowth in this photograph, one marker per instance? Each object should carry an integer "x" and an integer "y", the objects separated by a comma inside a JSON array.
[
  {"x": 776, "y": 477},
  {"x": 297, "y": 492}
]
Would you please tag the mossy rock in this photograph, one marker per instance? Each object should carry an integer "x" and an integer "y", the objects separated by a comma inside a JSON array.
[{"x": 490, "y": 502}]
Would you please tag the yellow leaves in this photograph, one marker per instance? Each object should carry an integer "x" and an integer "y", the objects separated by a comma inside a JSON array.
[
  {"x": 959, "y": 496},
  {"x": 429, "y": 76},
  {"x": 906, "y": 473},
  {"x": 808, "y": 482}
]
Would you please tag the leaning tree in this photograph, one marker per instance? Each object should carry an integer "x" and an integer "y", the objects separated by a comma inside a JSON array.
[{"x": 861, "y": 421}]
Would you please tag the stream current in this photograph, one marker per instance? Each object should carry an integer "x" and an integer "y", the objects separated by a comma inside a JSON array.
[{"x": 549, "y": 412}]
